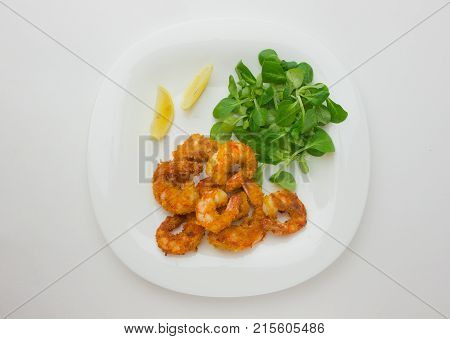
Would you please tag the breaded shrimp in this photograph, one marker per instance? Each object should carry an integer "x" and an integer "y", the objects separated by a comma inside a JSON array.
[
  {"x": 254, "y": 193},
  {"x": 180, "y": 243},
  {"x": 180, "y": 171},
  {"x": 251, "y": 231},
  {"x": 235, "y": 182},
  {"x": 284, "y": 201},
  {"x": 240, "y": 237},
  {"x": 196, "y": 148},
  {"x": 221, "y": 165},
  {"x": 207, "y": 184},
  {"x": 207, "y": 210},
  {"x": 173, "y": 187},
  {"x": 244, "y": 207}
]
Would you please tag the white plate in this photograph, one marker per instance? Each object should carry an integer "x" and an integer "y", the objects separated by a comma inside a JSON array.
[{"x": 334, "y": 196}]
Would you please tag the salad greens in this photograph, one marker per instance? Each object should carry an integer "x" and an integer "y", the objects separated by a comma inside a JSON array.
[
  {"x": 279, "y": 113},
  {"x": 284, "y": 179}
]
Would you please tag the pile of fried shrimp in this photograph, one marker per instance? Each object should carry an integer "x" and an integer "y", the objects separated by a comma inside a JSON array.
[{"x": 227, "y": 203}]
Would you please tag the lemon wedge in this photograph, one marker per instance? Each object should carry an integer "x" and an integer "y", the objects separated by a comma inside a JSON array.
[
  {"x": 196, "y": 87},
  {"x": 163, "y": 115}
]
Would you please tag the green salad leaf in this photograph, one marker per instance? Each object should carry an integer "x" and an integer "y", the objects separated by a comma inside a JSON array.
[
  {"x": 267, "y": 55},
  {"x": 245, "y": 74},
  {"x": 308, "y": 73},
  {"x": 295, "y": 76},
  {"x": 224, "y": 108},
  {"x": 272, "y": 72},
  {"x": 287, "y": 112},
  {"x": 284, "y": 179},
  {"x": 338, "y": 114},
  {"x": 320, "y": 141},
  {"x": 232, "y": 88},
  {"x": 316, "y": 94},
  {"x": 221, "y": 131},
  {"x": 287, "y": 65}
]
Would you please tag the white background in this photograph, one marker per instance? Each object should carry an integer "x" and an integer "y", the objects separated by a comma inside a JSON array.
[{"x": 47, "y": 222}]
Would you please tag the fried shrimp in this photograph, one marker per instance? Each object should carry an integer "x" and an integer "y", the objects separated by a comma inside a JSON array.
[
  {"x": 207, "y": 210},
  {"x": 229, "y": 155},
  {"x": 234, "y": 182},
  {"x": 196, "y": 148},
  {"x": 284, "y": 201},
  {"x": 185, "y": 241},
  {"x": 180, "y": 171},
  {"x": 249, "y": 232},
  {"x": 173, "y": 187},
  {"x": 244, "y": 207},
  {"x": 254, "y": 193},
  {"x": 239, "y": 237},
  {"x": 205, "y": 185}
]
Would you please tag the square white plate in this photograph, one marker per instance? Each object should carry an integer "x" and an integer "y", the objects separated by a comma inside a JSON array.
[{"x": 121, "y": 159}]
